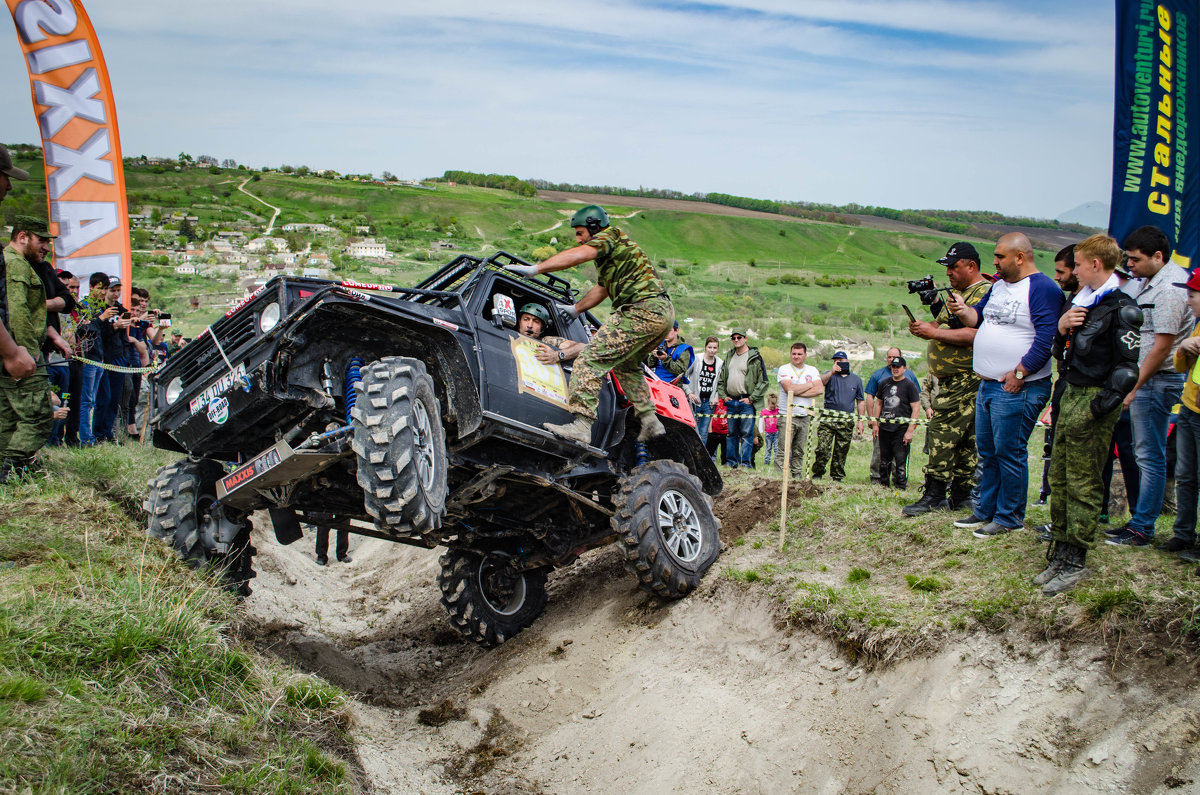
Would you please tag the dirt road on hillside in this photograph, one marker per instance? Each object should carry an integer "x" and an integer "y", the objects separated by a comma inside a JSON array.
[{"x": 612, "y": 691}]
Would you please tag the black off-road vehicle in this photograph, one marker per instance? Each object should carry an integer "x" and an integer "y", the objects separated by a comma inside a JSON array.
[{"x": 415, "y": 415}]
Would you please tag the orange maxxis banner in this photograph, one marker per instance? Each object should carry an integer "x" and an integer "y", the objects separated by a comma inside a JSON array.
[{"x": 73, "y": 102}]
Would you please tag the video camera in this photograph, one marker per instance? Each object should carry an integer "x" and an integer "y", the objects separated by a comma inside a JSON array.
[{"x": 927, "y": 291}]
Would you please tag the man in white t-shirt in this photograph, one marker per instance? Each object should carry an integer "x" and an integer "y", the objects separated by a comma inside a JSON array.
[
  {"x": 802, "y": 383},
  {"x": 1017, "y": 321}
]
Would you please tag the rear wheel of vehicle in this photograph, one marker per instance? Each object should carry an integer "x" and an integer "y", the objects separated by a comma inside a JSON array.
[
  {"x": 666, "y": 528},
  {"x": 488, "y": 601},
  {"x": 184, "y": 512},
  {"x": 401, "y": 445}
]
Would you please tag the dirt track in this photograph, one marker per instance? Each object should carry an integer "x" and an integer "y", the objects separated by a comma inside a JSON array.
[{"x": 613, "y": 691}]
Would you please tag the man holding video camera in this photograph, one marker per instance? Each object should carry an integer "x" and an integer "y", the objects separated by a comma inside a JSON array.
[{"x": 951, "y": 431}]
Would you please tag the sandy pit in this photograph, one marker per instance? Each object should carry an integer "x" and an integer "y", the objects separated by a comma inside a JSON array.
[{"x": 613, "y": 691}]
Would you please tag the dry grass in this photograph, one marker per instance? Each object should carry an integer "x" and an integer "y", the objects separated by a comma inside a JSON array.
[
  {"x": 119, "y": 671},
  {"x": 886, "y": 586}
]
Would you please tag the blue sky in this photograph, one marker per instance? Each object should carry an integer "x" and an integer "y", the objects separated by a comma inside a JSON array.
[{"x": 971, "y": 105}]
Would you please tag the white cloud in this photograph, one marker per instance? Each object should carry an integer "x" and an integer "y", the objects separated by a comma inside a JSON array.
[{"x": 871, "y": 102}]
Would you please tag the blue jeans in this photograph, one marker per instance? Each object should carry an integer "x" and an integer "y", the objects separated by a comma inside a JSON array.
[
  {"x": 108, "y": 402},
  {"x": 92, "y": 376},
  {"x": 770, "y": 447},
  {"x": 1003, "y": 423},
  {"x": 740, "y": 445},
  {"x": 703, "y": 411},
  {"x": 1151, "y": 412},
  {"x": 1187, "y": 448}
]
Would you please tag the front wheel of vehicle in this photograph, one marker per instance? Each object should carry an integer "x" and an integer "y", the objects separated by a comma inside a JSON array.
[{"x": 666, "y": 528}]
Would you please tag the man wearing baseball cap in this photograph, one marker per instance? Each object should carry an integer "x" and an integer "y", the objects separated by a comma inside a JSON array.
[
  {"x": 844, "y": 394},
  {"x": 742, "y": 385},
  {"x": 951, "y": 431},
  {"x": 26, "y": 413},
  {"x": 18, "y": 362}
]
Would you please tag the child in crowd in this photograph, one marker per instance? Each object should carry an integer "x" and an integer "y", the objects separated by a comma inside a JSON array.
[{"x": 771, "y": 427}]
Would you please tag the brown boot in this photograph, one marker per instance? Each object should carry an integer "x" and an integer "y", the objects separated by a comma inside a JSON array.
[{"x": 578, "y": 430}]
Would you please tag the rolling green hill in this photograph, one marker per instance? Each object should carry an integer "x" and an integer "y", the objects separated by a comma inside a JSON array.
[{"x": 786, "y": 278}]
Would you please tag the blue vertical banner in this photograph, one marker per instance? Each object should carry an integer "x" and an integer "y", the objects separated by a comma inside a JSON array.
[{"x": 1154, "y": 160}]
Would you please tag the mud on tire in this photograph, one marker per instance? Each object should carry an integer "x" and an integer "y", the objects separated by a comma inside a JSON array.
[
  {"x": 401, "y": 445},
  {"x": 486, "y": 604},
  {"x": 666, "y": 528},
  {"x": 180, "y": 501}
]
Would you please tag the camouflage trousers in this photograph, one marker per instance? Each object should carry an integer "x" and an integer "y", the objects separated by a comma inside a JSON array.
[
  {"x": 833, "y": 444},
  {"x": 621, "y": 345},
  {"x": 26, "y": 417},
  {"x": 1081, "y": 445},
  {"x": 951, "y": 431}
]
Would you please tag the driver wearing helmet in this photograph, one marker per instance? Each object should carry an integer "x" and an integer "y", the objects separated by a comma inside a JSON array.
[{"x": 532, "y": 321}]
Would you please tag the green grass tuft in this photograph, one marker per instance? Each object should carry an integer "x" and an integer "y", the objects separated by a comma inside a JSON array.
[{"x": 858, "y": 574}]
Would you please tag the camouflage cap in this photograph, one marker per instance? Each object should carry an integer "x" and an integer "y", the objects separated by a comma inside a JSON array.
[
  {"x": 37, "y": 226},
  {"x": 7, "y": 168},
  {"x": 744, "y": 332}
]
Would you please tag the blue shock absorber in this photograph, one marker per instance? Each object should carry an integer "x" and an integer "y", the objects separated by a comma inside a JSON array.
[
  {"x": 641, "y": 455},
  {"x": 353, "y": 376}
]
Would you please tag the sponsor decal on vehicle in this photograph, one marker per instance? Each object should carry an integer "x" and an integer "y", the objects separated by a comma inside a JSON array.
[
  {"x": 364, "y": 286},
  {"x": 437, "y": 321},
  {"x": 264, "y": 463},
  {"x": 218, "y": 411},
  {"x": 545, "y": 381},
  {"x": 246, "y": 300},
  {"x": 227, "y": 381}
]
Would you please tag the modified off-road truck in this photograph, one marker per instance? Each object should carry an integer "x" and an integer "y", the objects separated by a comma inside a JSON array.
[{"x": 415, "y": 415}]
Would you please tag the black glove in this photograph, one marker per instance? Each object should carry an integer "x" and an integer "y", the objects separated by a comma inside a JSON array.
[
  {"x": 1105, "y": 402},
  {"x": 928, "y": 296}
]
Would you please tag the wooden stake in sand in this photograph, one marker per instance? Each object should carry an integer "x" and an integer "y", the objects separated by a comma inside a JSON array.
[{"x": 787, "y": 470}]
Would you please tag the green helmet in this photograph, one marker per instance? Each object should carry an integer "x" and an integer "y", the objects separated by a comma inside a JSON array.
[
  {"x": 593, "y": 217},
  {"x": 538, "y": 311}
]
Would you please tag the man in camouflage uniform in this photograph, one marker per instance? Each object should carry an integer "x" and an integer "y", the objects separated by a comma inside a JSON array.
[
  {"x": 1098, "y": 341},
  {"x": 951, "y": 430},
  {"x": 642, "y": 315},
  {"x": 26, "y": 413},
  {"x": 17, "y": 361}
]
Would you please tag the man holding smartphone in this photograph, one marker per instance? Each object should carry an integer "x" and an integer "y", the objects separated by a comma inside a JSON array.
[
  {"x": 843, "y": 393},
  {"x": 951, "y": 431}
]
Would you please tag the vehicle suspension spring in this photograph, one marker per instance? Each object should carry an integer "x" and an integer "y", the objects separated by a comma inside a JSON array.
[
  {"x": 353, "y": 376},
  {"x": 641, "y": 454}
]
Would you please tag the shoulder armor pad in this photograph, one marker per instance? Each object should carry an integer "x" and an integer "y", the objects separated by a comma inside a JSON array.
[{"x": 1130, "y": 315}]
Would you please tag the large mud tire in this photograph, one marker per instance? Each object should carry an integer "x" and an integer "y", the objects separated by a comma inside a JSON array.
[
  {"x": 666, "y": 528},
  {"x": 485, "y": 604},
  {"x": 401, "y": 445},
  {"x": 180, "y": 503}
]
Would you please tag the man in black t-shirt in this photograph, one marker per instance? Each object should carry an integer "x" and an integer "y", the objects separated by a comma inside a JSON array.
[{"x": 895, "y": 398}]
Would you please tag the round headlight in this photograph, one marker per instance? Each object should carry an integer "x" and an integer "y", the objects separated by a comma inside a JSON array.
[
  {"x": 174, "y": 389},
  {"x": 269, "y": 318}
]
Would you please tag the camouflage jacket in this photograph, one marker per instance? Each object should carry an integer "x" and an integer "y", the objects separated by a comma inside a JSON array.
[
  {"x": 623, "y": 268},
  {"x": 26, "y": 302}
]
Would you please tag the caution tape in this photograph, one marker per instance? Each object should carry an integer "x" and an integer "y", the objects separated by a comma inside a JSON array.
[
  {"x": 116, "y": 368},
  {"x": 818, "y": 412}
]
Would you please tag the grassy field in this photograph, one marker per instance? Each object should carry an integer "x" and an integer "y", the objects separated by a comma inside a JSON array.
[
  {"x": 121, "y": 671},
  {"x": 882, "y": 584}
]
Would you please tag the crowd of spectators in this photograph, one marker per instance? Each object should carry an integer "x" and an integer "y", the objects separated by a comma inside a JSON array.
[{"x": 1118, "y": 326}]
